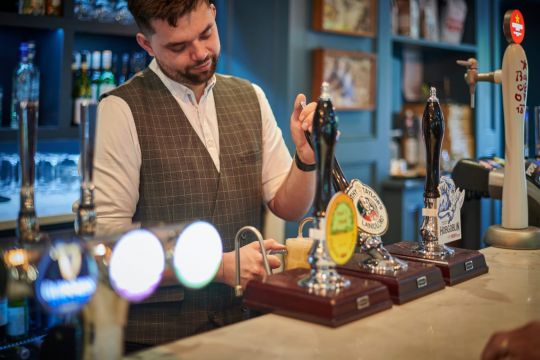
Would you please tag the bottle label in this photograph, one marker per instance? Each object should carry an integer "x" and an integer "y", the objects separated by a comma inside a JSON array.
[
  {"x": 16, "y": 321},
  {"x": 3, "y": 311}
]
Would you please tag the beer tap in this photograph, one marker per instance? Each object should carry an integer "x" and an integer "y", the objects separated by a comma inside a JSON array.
[
  {"x": 433, "y": 132},
  {"x": 472, "y": 76},
  {"x": 323, "y": 277},
  {"x": 379, "y": 260},
  {"x": 514, "y": 231},
  {"x": 85, "y": 222},
  {"x": 241, "y": 234},
  {"x": 27, "y": 113}
]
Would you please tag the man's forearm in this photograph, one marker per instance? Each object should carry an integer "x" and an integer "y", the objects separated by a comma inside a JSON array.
[{"x": 295, "y": 196}]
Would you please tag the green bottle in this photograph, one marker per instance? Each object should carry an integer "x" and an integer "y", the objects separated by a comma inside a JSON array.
[
  {"x": 107, "y": 82},
  {"x": 82, "y": 90}
]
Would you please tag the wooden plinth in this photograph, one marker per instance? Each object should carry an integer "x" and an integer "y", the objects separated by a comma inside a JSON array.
[
  {"x": 418, "y": 280},
  {"x": 463, "y": 265},
  {"x": 281, "y": 294}
]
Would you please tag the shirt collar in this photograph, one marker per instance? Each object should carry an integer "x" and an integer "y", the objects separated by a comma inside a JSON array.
[{"x": 180, "y": 90}]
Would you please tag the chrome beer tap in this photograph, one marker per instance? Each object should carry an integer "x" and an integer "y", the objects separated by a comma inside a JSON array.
[
  {"x": 85, "y": 223},
  {"x": 27, "y": 222},
  {"x": 240, "y": 235},
  {"x": 472, "y": 76}
]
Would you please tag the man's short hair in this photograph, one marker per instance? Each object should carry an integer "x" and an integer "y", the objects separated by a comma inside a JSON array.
[{"x": 144, "y": 11}]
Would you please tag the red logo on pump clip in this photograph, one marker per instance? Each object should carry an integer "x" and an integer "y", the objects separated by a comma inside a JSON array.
[{"x": 517, "y": 26}]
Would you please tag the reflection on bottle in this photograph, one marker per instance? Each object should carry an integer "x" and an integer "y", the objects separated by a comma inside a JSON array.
[{"x": 18, "y": 319}]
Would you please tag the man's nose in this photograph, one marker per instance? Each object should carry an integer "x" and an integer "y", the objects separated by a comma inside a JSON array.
[{"x": 199, "y": 51}]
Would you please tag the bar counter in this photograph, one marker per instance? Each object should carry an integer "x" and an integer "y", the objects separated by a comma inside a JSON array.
[{"x": 454, "y": 323}]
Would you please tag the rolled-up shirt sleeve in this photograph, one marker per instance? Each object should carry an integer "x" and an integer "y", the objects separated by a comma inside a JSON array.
[
  {"x": 117, "y": 163},
  {"x": 276, "y": 157}
]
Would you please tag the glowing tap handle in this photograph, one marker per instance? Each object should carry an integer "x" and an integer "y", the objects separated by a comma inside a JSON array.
[
  {"x": 433, "y": 132},
  {"x": 324, "y": 137}
]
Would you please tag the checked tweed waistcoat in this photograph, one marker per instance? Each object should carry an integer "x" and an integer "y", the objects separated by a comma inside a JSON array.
[{"x": 179, "y": 182}]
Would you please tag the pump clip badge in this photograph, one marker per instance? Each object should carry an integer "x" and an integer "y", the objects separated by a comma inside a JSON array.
[
  {"x": 341, "y": 228},
  {"x": 514, "y": 26},
  {"x": 372, "y": 217},
  {"x": 449, "y": 210},
  {"x": 67, "y": 277}
]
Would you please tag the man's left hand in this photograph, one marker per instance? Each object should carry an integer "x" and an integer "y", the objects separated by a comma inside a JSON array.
[{"x": 301, "y": 121}]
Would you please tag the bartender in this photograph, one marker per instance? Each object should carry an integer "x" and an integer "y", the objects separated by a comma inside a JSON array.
[{"x": 178, "y": 142}]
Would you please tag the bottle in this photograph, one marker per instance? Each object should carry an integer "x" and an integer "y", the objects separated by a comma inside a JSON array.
[
  {"x": 82, "y": 90},
  {"x": 106, "y": 81},
  {"x": 96, "y": 75},
  {"x": 31, "y": 7},
  {"x": 25, "y": 82},
  {"x": 124, "y": 72},
  {"x": 17, "y": 327},
  {"x": 409, "y": 140},
  {"x": 53, "y": 7},
  {"x": 3, "y": 318}
]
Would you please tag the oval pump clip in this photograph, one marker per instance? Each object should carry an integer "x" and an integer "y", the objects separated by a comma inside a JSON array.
[{"x": 514, "y": 232}]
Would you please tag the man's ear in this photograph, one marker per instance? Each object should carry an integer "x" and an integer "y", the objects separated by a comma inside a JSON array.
[{"x": 143, "y": 42}]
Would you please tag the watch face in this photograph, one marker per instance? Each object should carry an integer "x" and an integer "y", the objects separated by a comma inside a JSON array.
[
  {"x": 67, "y": 277},
  {"x": 371, "y": 212}
]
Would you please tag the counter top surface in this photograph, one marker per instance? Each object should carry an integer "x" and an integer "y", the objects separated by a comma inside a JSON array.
[
  {"x": 51, "y": 208},
  {"x": 454, "y": 323}
]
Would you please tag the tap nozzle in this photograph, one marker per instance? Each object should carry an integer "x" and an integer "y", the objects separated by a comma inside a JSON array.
[
  {"x": 471, "y": 76},
  {"x": 241, "y": 234}
]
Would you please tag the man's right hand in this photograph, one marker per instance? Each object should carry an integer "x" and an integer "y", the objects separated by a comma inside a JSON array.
[{"x": 251, "y": 263}]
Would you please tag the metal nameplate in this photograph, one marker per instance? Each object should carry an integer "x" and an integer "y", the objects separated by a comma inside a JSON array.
[
  {"x": 469, "y": 265},
  {"x": 421, "y": 282},
  {"x": 362, "y": 302}
]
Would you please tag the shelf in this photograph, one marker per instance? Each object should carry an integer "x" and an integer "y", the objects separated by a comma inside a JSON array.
[
  {"x": 27, "y": 340},
  {"x": 53, "y": 22},
  {"x": 96, "y": 27},
  {"x": 31, "y": 21},
  {"x": 407, "y": 41},
  {"x": 45, "y": 132}
]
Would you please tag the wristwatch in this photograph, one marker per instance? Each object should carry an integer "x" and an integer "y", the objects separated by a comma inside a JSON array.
[{"x": 304, "y": 167}]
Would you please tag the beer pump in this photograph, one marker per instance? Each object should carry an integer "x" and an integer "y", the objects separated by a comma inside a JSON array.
[
  {"x": 441, "y": 212},
  {"x": 514, "y": 232},
  {"x": 321, "y": 294},
  {"x": 405, "y": 280}
]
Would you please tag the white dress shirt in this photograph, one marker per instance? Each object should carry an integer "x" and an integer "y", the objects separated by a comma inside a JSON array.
[{"x": 117, "y": 159}]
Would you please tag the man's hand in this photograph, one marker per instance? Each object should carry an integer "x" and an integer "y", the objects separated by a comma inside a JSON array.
[
  {"x": 302, "y": 120},
  {"x": 251, "y": 263},
  {"x": 520, "y": 343}
]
